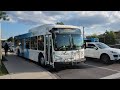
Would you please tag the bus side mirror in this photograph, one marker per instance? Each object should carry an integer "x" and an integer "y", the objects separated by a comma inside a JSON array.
[{"x": 85, "y": 45}]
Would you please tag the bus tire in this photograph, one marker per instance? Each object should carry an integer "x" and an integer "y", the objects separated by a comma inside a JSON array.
[{"x": 41, "y": 60}]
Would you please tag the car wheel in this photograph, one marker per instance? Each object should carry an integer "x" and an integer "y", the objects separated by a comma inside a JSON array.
[{"x": 105, "y": 58}]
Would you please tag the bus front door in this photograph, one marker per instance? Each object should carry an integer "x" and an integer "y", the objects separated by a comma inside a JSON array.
[{"x": 48, "y": 49}]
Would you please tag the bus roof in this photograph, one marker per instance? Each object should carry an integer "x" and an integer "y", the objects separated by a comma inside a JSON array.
[
  {"x": 23, "y": 36},
  {"x": 43, "y": 29},
  {"x": 50, "y": 26}
]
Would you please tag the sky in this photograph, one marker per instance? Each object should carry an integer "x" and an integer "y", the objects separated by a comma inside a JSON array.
[{"x": 95, "y": 22}]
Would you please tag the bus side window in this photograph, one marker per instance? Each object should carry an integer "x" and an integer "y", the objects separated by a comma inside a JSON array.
[
  {"x": 41, "y": 42},
  {"x": 27, "y": 45},
  {"x": 34, "y": 43}
]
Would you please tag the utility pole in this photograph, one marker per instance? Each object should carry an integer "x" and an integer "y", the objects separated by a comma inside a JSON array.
[
  {"x": 0, "y": 43},
  {"x": 83, "y": 32}
]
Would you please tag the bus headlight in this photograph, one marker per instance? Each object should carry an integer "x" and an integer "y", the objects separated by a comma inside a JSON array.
[{"x": 57, "y": 57}]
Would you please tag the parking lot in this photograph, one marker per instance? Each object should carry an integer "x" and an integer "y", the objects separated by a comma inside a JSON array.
[{"x": 91, "y": 69}]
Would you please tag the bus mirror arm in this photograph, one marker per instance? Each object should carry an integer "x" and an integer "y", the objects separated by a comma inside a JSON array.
[
  {"x": 53, "y": 36},
  {"x": 51, "y": 31},
  {"x": 84, "y": 46}
]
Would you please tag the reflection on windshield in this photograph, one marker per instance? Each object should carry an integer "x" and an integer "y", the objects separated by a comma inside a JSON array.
[
  {"x": 102, "y": 45},
  {"x": 77, "y": 41},
  {"x": 62, "y": 42},
  {"x": 65, "y": 42}
]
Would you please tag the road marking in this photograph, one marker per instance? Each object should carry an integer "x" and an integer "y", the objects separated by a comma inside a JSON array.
[
  {"x": 102, "y": 68},
  {"x": 58, "y": 77},
  {"x": 113, "y": 76}
]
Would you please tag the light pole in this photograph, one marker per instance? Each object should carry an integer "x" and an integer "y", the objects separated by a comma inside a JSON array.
[
  {"x": 0, "y": 43},
  {"x": 83, "y": 32}
]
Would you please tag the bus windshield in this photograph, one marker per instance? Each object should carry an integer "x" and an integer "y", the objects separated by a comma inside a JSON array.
[
  {"x": 64, "y": 42},
  {"x": 77, "y": 41}
]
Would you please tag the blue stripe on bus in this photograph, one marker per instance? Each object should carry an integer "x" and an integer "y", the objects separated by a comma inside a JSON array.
[
  {"x": 23, "y": 36},
  {"x": 26, "y": 53}
]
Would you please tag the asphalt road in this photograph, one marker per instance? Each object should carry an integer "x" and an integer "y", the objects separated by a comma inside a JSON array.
[{"x": 91, "y": 69}]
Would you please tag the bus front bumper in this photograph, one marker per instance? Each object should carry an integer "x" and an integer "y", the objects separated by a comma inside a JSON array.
[{"x": 69, "y": 62}]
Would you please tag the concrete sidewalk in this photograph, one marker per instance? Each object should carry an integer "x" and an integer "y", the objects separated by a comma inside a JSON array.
[{"x": 20, "y": 68}]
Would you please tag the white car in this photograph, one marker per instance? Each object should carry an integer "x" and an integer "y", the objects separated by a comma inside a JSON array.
[{"x": 102, "y": 51}]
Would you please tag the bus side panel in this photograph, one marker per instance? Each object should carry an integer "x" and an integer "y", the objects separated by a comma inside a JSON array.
[
  {"x": 27, "y": 53},
  {"x": 33, "y": 54}
]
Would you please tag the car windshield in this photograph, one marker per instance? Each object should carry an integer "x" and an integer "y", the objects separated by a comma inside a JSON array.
[{"x": 102, "y": 45}]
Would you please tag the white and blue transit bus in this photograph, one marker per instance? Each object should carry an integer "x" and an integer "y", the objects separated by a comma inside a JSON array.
[{"x": 51, "y": 44}]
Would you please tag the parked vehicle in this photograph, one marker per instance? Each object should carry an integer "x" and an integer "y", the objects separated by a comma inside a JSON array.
[
  {"x": 91, "y": 40},
  {"x": 102, "y": 51}
]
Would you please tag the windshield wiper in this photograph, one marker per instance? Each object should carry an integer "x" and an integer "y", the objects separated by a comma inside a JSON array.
[{"x": 64, "y": 48}]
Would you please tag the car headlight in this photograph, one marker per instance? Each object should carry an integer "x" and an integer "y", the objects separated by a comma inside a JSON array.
[{"x": 113, "y": 52}]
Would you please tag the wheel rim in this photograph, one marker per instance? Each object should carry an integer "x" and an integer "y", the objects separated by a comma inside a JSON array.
[{"x": 105, "y": 58}]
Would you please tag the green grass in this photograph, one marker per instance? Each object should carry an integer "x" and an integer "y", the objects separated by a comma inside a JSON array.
[{"x": 3, "y": 70}]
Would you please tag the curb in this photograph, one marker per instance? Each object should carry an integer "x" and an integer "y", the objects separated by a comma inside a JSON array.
[
  {"x": 4, "y": 59},
  {"x": 7, "y": 76},
  {"x": 53, "y": 76}
]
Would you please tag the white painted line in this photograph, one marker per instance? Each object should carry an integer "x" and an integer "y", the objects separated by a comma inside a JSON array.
[
  {"x": 57, "y": 76},
  {"x": 113, "y": 76},
  {"x": 103, "y": 68}
]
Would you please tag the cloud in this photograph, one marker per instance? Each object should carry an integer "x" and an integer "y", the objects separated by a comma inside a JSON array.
[
  {"x": 68, "y": 17},
  {"x": 92, "y": 20},
  {"x": 86, "y": 21}
]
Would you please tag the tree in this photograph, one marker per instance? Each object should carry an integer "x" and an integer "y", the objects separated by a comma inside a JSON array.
[
  {"x": 11, "y": 39},
  {"x": 60, "y": 23},
  {"x": 93, "y": 36},
  {"x": 3, "y": 16},
  {"x": 110, "y": 37}
]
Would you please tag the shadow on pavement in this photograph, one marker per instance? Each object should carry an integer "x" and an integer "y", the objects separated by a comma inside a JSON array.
[{"x": 90, "y": 63}]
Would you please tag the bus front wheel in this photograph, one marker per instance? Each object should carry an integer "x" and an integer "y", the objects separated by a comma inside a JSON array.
[{"x": 41, "y": 61}]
